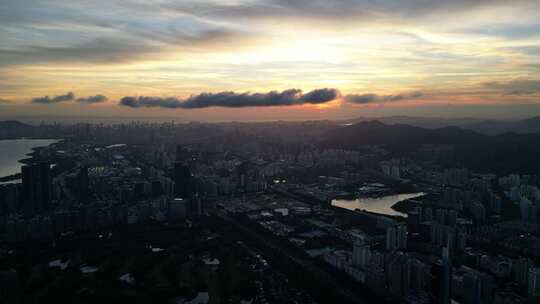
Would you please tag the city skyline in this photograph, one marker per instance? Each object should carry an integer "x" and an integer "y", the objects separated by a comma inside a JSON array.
[{"x": 260, "y": 60}]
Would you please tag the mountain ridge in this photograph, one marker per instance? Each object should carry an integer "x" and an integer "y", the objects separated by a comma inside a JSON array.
[{"x": 480, "y": 152}]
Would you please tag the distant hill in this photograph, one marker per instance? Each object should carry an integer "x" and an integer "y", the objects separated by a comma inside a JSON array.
[
  {"x": 15, "y": 129},
  {"x": 376, "y": 132},
  {"x": 13, "y": 124},
  {"x": 488, "y": 127},
  {"x": 493, "y": 127},
  {"x": 422, "y": 122},
  {"x": 505, "y": 153}
]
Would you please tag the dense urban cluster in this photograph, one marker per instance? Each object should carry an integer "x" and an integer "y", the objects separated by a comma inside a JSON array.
[{"x": 261, "y": 213}]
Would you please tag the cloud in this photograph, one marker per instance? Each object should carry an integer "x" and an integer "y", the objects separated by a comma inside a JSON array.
[
  {"x": 231, "y": 99},
  {"x": 529, "y": 50},
  {"x": 70, "y": 96},
  {"x": 4, "y": 101},
  {"x": 150, "y": 102},
  {"x": 321, "y": 96},
  {"x": 99, "y": 50},
  {"x": 131, "y": 46},
  {"x": 515, "y": 87},
  {"x": 372, "y": 98},
  {"x": 92, "y": 99},
  {"x": 507, "y": 30},
  {"x": 56, "y": 99},
  {"x": 361, "y": 98},
  {"x": 304, "y": 9},
  {"x": 336, "y": 11}
]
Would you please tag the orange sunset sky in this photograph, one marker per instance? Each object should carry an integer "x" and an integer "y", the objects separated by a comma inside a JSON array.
[{"x": 239, "y": 60}]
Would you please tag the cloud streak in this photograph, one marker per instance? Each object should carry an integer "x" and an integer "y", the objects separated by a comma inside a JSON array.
[
  {"x": 92, "y": 99},
  {"x": 101, "y": 50},
  {"x": 70, "y": 96},
  {"x": 374, "y": 98},
  {"x": 138, "y": 45},
  {"x": 231, "y": 99},
  {"x": 338, "y": 12},
  {"x": 515, "y": 87}
]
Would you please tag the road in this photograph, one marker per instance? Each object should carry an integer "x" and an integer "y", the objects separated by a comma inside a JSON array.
[{"x": 311, "y": 269}]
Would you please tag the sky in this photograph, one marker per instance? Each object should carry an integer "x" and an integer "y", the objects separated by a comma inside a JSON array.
[{"x": 275, "y": 59}]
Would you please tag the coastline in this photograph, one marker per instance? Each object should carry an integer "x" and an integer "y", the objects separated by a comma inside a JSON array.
[
  {"x": 409, "y": 204},
  {"x": 28, "y": 157},
  {"x": 9, "y": 178},
  {"x": 392, "y": 210}
]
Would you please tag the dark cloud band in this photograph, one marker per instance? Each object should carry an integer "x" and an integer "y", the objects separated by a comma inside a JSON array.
[
  {"x": 515, "y": 87},
  {"x": 372, "y": 98},
  {"x": 69, "y": 96},
  {"x": 56, "y": 99},
  {"x": 92, "y": 99},
  {"x": 235, "y": 100}
]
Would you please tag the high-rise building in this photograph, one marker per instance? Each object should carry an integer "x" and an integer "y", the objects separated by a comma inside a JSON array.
[
  {"x": 156, "y": 188},
  {"x": 9, "y": 196},
  {"x": 534, "y": 282},
  {"x": 419, "y": 275},
  {"x": 396, "y": 172},
  {"x": 451, "y": 217},
  {"x": 36, "y": 188},
  {"x": 441, "y": 273},
  {"x": 138, "y": 190},
  {"x": 401, "y": 236},
  {"x": 398, "y": 273},
  {"x": 477, "y": 287},
  {"x": 361, "y": 254},
  {"x": 455, "y": 176},
  {"x": 520, "y": 270},
  {"x": 414, "y": 218},
  {"x": 471, "y": 288},
  {"x": 486, "y": 288},
  {"x": 178, "y": 208},
  {"x": 182, "y": 154},
  {"x": 391, "y": 239},
  {"x": 183, "y": 181},
  {"x": 428, "y": 214},
  {"x": 440, "y": 216},
  {"x": 396, "y": 237},
  {"x": 83, "y": 185},
  {"x": 195, "y": 205},
  {"x": 242, "y": 174}
]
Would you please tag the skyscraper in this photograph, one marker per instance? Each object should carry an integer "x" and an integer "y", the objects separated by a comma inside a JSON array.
[
  {"x": 361, "y": 254},
  {"x": 401, "y": 236},
  {"x": 36, "y": 188},
  {"x": 398, "y": 273},
  {"x": 534, "y": 282},
  {"x": 396, "y": 237},
  {"x": 195, "y": 205},
  {"x": 471, "y": 288},
  {"x": 183, "y": 181},
  {"x": 181, "y": 154},
  {"x": 520, "y": 270},
  {"x": 83, "y": 184},
  {"x": 391, "y": 239},
  {"x": 441, "y": 274},
  {"x": 242, "y": 174}
]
